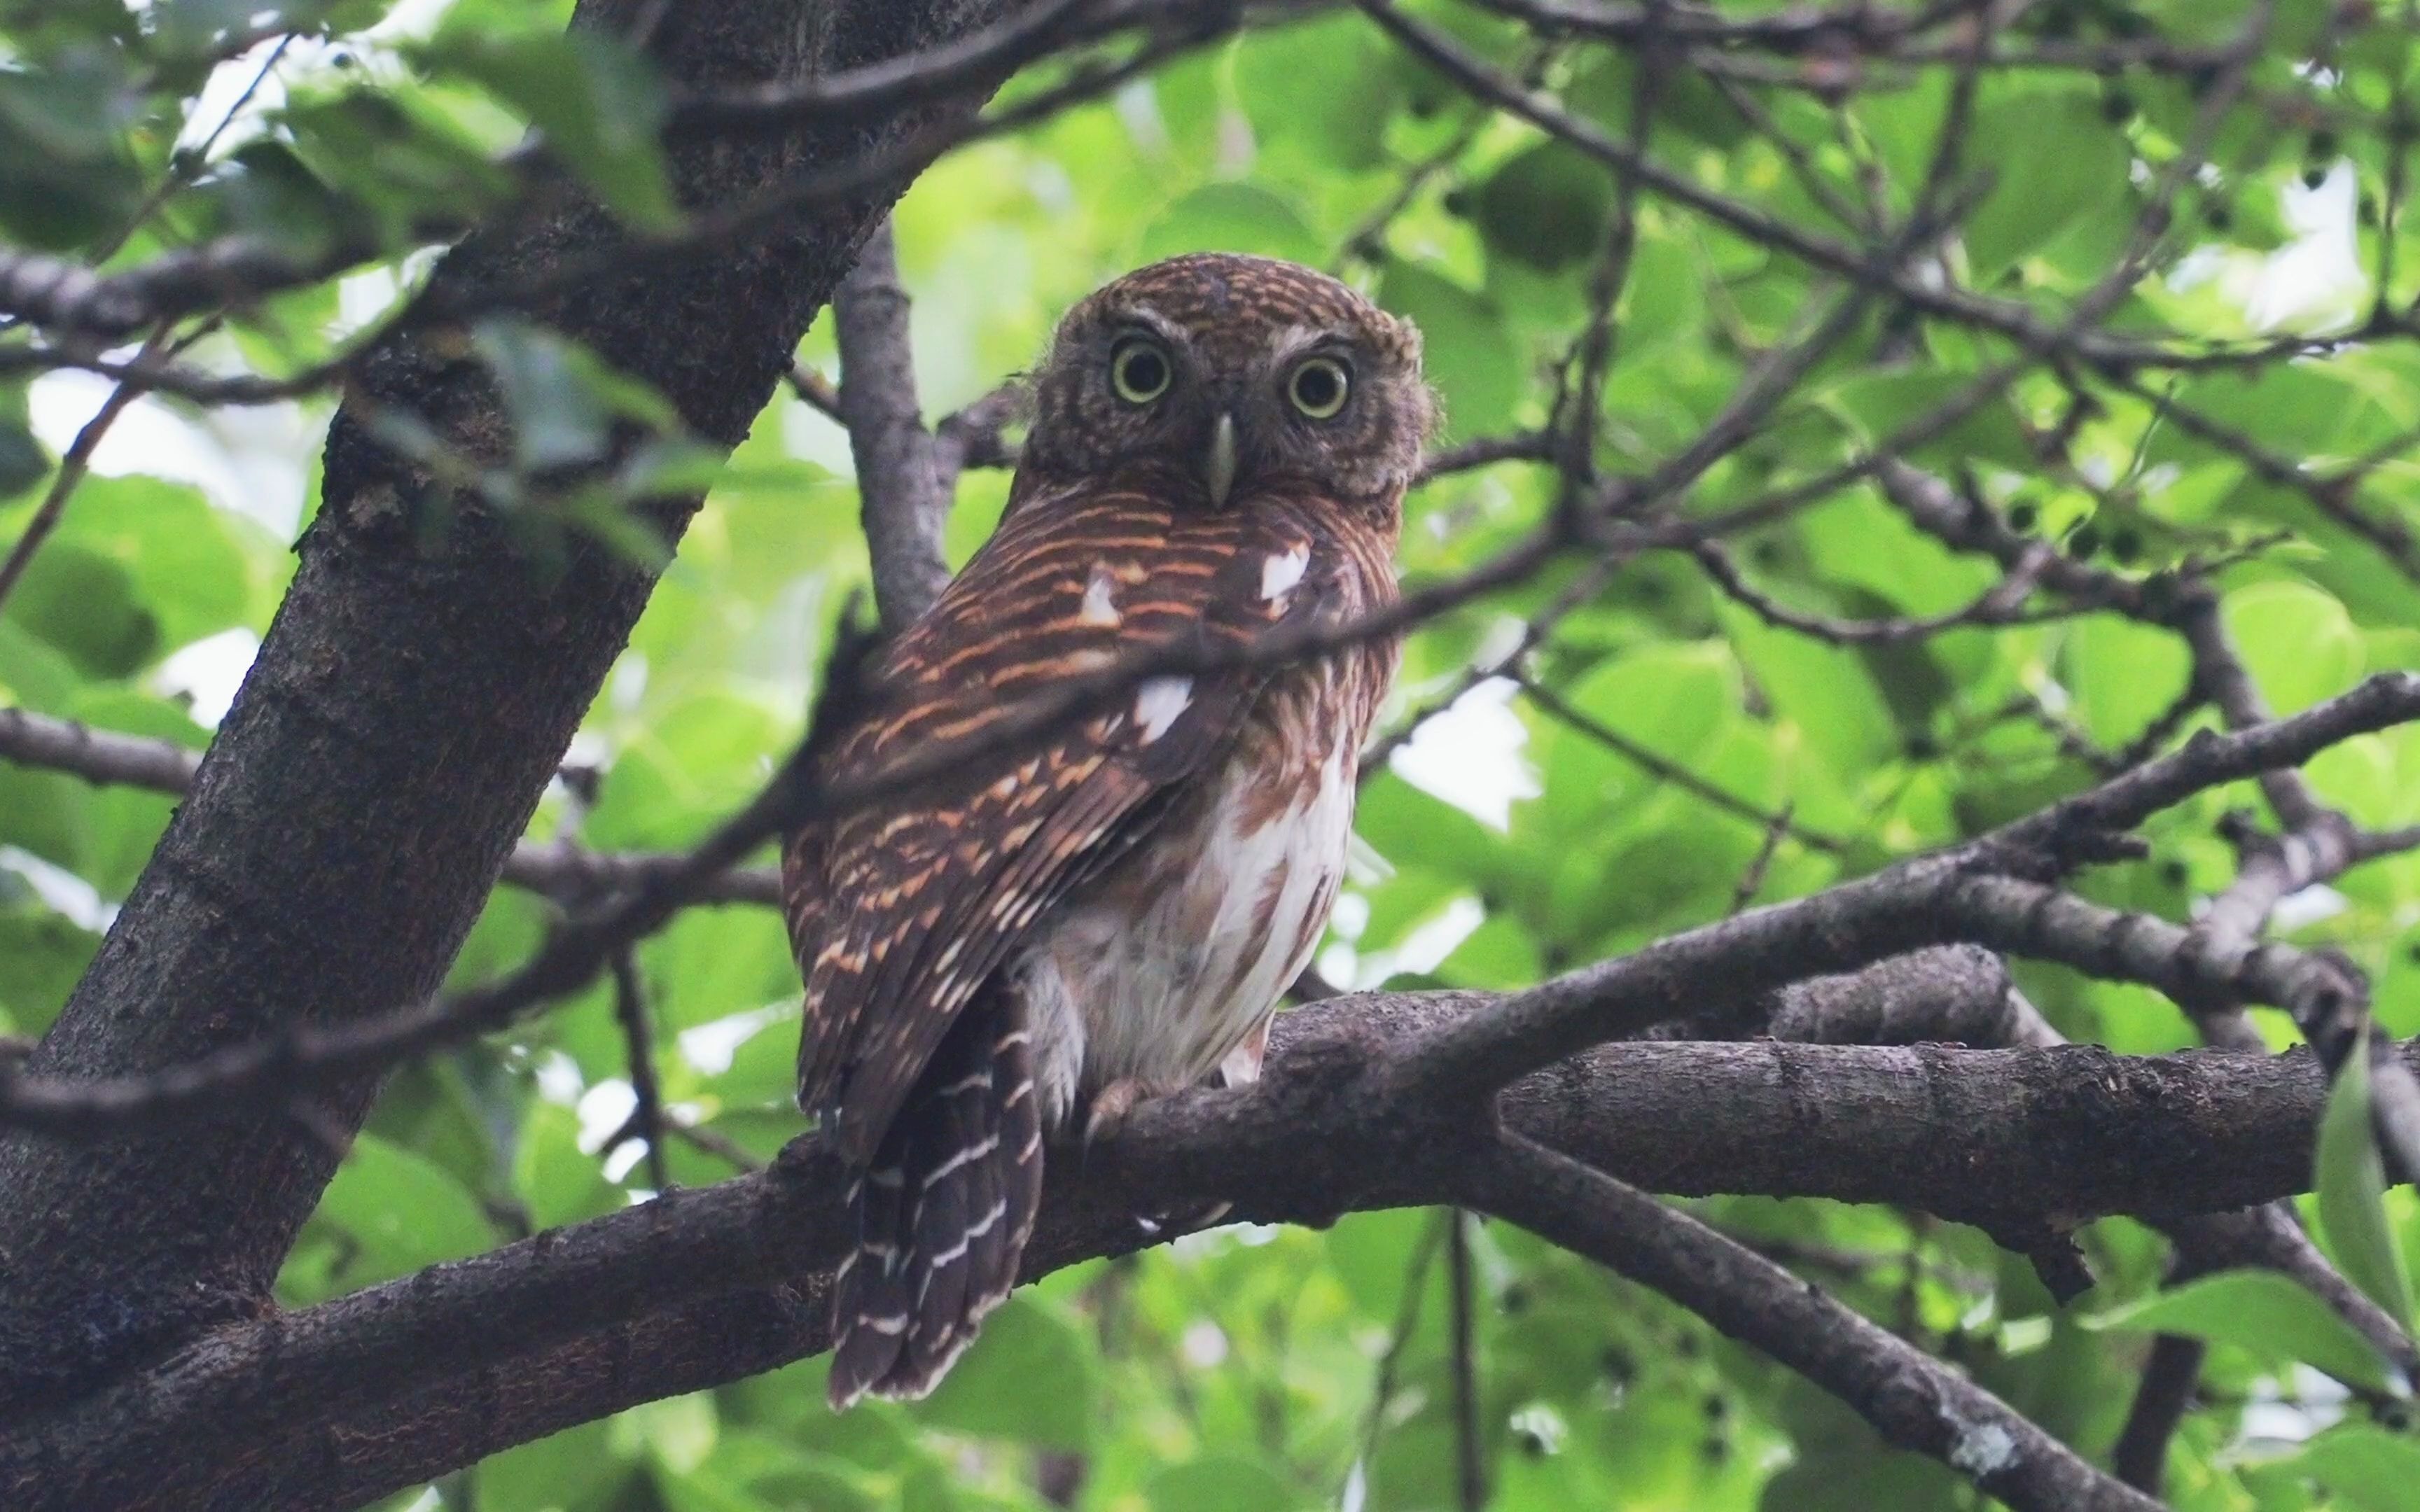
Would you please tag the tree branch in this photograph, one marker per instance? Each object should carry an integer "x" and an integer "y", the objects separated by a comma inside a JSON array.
[
  {"x": 1941, "y": 899},
  {"x": 899, "y": 485},
  {"x": 1914, "y": 1400},
  {"x": 404, "y": 713},
  {"x": 707, "y": 1284},
  {"x": 557, "y": 869}
]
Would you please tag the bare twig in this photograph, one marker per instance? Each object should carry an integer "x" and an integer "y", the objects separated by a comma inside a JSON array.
[
  {"x": 1934, "y": 900},
  {"x": 72, "y": 468},
  {"x": 1912, "y": 1399},
  {"x": 558, "y": 870},
  {"x": 900, "y": 490},
  {"x": 647, "y": 1121},
  {"x": 1673, "y": 772},
  {"x": 1470, "y": 1450},
  {"x": 722, "y": 1147}
]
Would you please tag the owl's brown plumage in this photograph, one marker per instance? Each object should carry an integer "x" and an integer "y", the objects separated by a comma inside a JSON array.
[{"x": 1220, "y": 446}]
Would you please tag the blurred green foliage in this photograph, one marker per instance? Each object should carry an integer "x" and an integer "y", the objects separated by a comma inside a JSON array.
[{"x": 1272, "y": 1369}]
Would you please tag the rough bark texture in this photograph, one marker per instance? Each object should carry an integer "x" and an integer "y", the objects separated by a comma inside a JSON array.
[{"x": 412, "y": 696}]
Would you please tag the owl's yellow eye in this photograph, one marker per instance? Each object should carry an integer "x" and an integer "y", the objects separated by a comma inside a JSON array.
[
  {"x": 1139, "y": 370},
  {"x": 1319, "y": 386}
]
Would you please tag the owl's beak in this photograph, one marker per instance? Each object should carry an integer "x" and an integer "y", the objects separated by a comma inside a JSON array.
[{"x": 1219, "y": 467}]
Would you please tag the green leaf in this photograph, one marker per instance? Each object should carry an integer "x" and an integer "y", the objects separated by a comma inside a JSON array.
[
  {"x": 139, "y": 567},
  {"x": 402, "y": 1210},
  {"x": 991, "y": 1389},
  {"x": 575, "y": 1469},
  {"x": 2298, "y": 643},
  {"x": 559, "y": 419},
  {"x": 698, "y": 760},
  {"x": 1230, "y": 218},
  {"x": 366, "y": 152},
  {"x": 2369, "y": 1466},
  {"x": 65, "y": 177},
  {"x": 709, "y": 960},
  {"x": 2352, "y": 1190},
  {"x": 2053, "y": 160},
  {"x": 557, "y": 1182},
  {"x": 1224, "y": 1483},
  {"x": 1467, "y": 351},
  {"x": 2262, "y": 1311},
  {"x": 1324, "y": 87},
  {"x": 42, "y": 953},
  {"x": 22, "y": 462},
  {"x": 2123, "y": 675},
  {"x": 202, "y": 29},
  {"x": 598, "y": 103},
  {"x": 1546, "y": 207},
  {"x": 86, "y": 605}
]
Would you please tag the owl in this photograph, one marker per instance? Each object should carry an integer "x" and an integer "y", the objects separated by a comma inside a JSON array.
[{"x": 1109, "y": 910}]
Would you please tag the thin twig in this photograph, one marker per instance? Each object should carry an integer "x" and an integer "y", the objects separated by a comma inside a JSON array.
[
  {"x": 72, "y": 468},
  {"x": 901, "y": 499},
  {"x": 1469, "y": 1458},
  {"x": 647, "y": 1121}
]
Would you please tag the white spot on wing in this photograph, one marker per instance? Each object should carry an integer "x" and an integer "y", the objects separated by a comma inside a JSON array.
[
  {"x": 1158, "y": 704},
  {"x": 1282, "y": 570},
  {"x": 1100, "y": 603}
]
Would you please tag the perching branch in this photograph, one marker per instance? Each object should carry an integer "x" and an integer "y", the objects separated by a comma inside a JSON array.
[{"x": 709, "y": 1284}]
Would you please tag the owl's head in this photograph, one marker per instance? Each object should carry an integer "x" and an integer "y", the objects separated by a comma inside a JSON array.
[{"x": 1221, "y": 376}]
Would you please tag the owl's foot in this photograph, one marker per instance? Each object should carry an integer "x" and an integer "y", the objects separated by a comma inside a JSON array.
[
  {"x": 1110, "y": 1107},
  {"x": 1169, "y": 1224},
  {"x": 1112, "y": 1103}
]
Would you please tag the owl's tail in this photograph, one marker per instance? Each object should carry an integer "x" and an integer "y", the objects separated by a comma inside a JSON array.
[{"x": 943, "y": 1210}]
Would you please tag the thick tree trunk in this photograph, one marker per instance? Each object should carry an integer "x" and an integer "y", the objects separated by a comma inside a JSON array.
[{"x": 397, "y": 730}]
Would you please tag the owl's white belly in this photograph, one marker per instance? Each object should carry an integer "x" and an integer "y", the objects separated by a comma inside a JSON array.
[{"x": 1159, "y": 977}]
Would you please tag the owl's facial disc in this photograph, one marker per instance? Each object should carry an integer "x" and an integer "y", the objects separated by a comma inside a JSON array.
[{"x": 1219, "y": 464}]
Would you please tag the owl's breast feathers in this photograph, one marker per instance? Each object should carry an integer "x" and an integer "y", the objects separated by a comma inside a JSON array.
[{"x": 901, "y": 909}]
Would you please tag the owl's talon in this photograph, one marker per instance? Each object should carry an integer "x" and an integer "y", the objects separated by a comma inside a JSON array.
[
  {"x": 1158, "y": 1225},
  {"x": 1112, "y": 1103}
]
